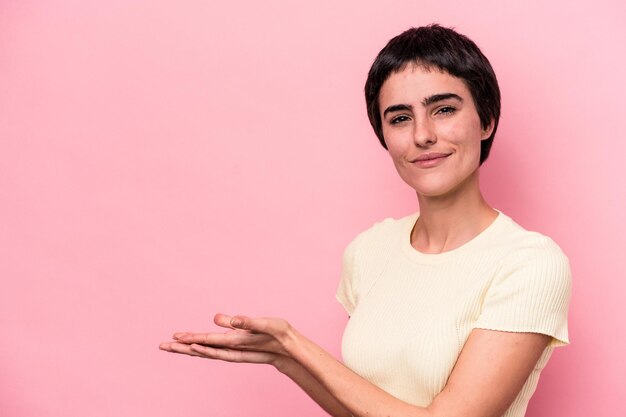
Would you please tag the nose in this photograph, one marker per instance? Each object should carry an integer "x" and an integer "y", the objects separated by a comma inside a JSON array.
[{"x": 423, "y": 134}]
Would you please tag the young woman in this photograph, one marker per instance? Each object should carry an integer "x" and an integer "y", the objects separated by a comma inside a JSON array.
[{"x": 454, "y": 311}]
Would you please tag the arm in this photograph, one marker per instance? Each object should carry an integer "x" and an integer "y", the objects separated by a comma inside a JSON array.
[
  {"x": 312, "y": 387},
  {"x": 489, "y": 373}
]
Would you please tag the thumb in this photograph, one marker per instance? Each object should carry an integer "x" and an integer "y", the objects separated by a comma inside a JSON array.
[
  {"x": 244, "y": 323},
  {"x": 234, "y": 322}
]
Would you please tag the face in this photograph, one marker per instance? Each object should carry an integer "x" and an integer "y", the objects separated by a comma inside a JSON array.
[{"x": 432, "y": 130}]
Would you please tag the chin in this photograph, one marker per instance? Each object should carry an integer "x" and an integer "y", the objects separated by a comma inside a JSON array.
[
  {"x": 440, "y": 185},
  {"x": 433, "y": 193},
  {"x": 432, "y": 189}
]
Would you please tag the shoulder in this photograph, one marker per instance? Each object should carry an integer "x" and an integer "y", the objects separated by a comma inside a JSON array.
[
  {"x": 385, "y": 230},
  {"x": 382, "y": 238},
  {"x": 365, "y": 257},
  {"x": 531, "y": 287},
  {"x": 525, "y": 245},
  {"x": 532, "y": 263},
  {"x": 372, "y": 248}
]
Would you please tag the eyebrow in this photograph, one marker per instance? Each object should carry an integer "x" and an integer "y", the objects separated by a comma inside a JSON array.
[
  {"x": 440, "y": 97},
  {"x": 426, "y": 102},
  {"x": 397, "y": 107}
]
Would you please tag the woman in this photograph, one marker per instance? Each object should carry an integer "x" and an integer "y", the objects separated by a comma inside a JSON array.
[{"x": 453, "y": 311}]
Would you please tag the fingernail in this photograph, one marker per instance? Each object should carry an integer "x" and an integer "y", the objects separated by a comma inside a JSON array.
[{"x": 236, "y": 323}]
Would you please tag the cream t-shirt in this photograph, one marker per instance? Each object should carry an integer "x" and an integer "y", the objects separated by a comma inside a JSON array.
[{"x": 411, "y": 313}]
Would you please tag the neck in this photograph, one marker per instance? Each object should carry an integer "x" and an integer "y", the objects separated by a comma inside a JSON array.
[{"x": 447, "y": 222}]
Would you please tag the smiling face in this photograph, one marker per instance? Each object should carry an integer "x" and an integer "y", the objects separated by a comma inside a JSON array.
[{"x": 432, "y": 130}]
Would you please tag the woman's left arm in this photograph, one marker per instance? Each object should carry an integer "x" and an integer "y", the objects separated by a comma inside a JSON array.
[{"x": 488, "y": 375}]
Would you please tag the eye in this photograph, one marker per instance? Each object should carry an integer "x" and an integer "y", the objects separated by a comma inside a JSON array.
[
  {"x": 399, "y": 119},
  {"x": 445, "y": 110}
]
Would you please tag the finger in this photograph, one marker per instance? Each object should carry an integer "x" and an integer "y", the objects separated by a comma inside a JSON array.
[
  {"x": 178, "y": 335},
  {"x": 246, "y": 323},
  {"x": 241, "y": 322},
  {"x": 181, "y": 348},
  {"x": 232, "y": 355},
  {"x": 235, "y": 322},
  {"x": 257, "y": 325},
  {"x": 236, "y": 339},
  {"x": 223, "y": 320},
  {"x": 213, "y": 339}
]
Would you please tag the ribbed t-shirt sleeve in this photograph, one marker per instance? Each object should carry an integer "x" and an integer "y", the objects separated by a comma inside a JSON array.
[
  {"x": 346, "y": 290},
  {"x": 530, "y": 293}
]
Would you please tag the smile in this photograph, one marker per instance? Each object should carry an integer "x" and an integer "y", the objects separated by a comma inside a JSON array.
[{"x": 430, "y": 159}]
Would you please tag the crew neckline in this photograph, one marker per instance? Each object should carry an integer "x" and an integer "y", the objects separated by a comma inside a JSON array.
[{"x": 429, "y": 258}]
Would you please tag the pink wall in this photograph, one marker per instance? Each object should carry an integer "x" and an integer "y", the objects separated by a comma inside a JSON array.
[{"x": 161, "y": 161}]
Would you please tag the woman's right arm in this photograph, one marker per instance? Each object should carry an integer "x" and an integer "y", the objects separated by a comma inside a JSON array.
[
  {"x": 489, "y": 373},
  {"x": 311, "y": 386},
  {"x": 284, "y": 364}
]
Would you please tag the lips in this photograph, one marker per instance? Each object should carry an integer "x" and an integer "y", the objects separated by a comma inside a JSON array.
[
  {"x": 430, "y": 159},
  {"x": 431, "y": 156}
]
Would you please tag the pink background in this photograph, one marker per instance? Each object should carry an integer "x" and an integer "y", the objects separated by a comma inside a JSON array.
[{"x": 161, "y": 161}]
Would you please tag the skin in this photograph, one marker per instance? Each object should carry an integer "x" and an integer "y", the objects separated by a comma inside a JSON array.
[{"x": 426, "y": 114}]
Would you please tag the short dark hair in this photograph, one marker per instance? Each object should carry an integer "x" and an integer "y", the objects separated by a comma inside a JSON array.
[{"x": 442, "y": 48}]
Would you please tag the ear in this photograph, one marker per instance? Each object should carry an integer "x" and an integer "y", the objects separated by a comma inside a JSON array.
[{"x": 487, "y": 130}]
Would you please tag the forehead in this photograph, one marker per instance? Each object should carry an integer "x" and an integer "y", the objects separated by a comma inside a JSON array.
[{"x": 414, "y": 83}]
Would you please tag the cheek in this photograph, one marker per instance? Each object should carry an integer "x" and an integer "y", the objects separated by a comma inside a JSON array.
[
  {"x": 471, "y": 157},
  {"x": 396, "y": 153},
  {"x": 394, "y": 146},
  {"x": 466, "y": 137},
  {"x": 470, "y": 151}
]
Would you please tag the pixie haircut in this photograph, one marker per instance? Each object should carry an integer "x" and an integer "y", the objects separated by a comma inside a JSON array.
[{"x": 440, "y": 48}]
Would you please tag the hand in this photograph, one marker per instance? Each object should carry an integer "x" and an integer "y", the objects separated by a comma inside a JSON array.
[
  {"x": 251, "y": 340},
  {"x": 258, "y": 340}
]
